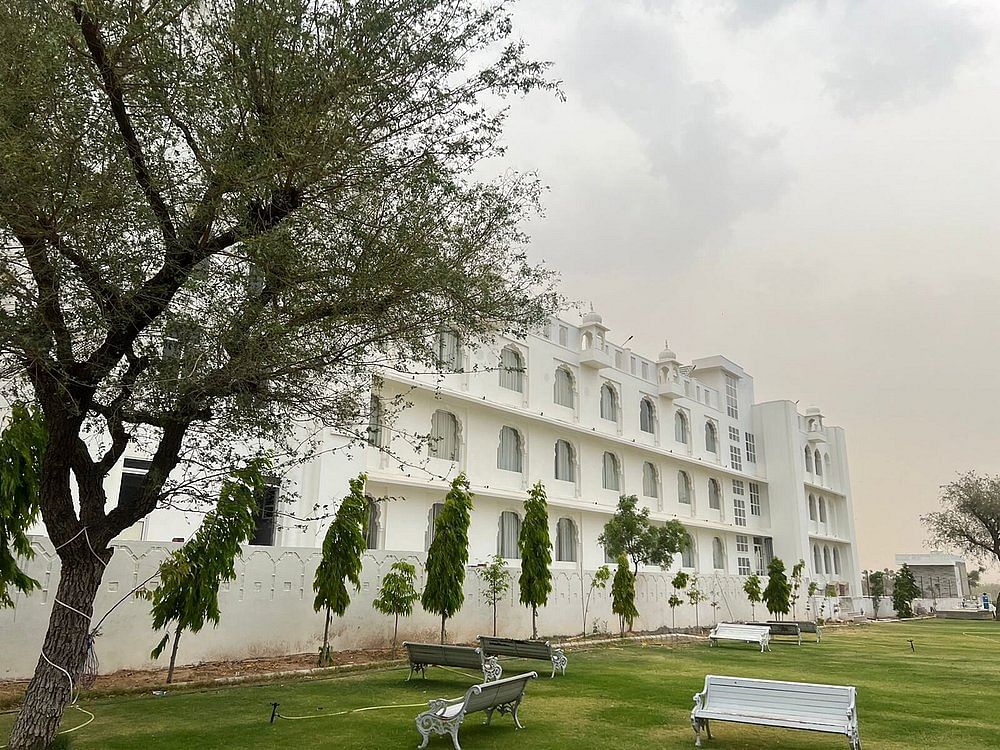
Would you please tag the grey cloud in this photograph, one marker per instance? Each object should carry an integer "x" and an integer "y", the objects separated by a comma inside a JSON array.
[
  {"x": 897, "y": 54},
  {"x": 710, "y": 166}
]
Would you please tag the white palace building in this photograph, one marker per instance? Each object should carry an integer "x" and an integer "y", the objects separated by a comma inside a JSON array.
[{"x": 592, "y": 421}]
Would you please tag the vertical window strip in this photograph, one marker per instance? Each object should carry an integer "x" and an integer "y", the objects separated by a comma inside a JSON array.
[
  {"x": 754, "y": 499},
  {"x": 739, "y": 504},
  {"x": 732, "y": 397},
  {"x": 751, "y": 442}
]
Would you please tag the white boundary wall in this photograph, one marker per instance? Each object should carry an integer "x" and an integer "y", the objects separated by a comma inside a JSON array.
[{"x": 268, "y": 609}]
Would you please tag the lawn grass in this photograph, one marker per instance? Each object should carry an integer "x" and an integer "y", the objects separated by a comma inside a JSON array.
[{"x": 946, "y": 694}]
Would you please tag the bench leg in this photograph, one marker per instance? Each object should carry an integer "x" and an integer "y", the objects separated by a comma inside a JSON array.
[
  {"x": 454, "y": 735},
  {"x": 696, "y": 726},
  {"x": 513, "y": 712}
]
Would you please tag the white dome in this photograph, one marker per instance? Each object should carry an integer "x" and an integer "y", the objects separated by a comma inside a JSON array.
[
  {"x": 667, "y": 353},
  {"x": 592, "y": 318}
]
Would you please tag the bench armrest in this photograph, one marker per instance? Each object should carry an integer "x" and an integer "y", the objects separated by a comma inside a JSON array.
[{"x": 440, "y": 703}]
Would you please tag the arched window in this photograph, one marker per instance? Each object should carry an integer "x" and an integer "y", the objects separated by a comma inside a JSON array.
[
  {"x": 718, "y": 554},
  {"x": 372, "y": 526},
  {"x": 647, "y": 416},
  {"x": 375, "y": 417},
  {"x": 817, "y": 561},
  {"x": 826, "y": 560},
  {"x": 711, "y": 438},
  {"x": 565, "y": 461},
  {"x": 566, "y": 540},
  {"x": 447, "y": 351},
  {"x": 809, "y": 460},
  {"x": 714, "y": 494},
  {"x": 650, "y": 480},
  {"x": 609, "y": 403},
  {"x": 508, "y": 534},
  {"x": 687, "y": 554},
  {"x": 611, "y": 472},
  {"x": 836, "y": 560},
  {"x": 822, "y": 510},
  {"x": 812, "y": 507},
  {"x": 826, "y": 465},
  {"x": 432, "y": 518},
  {"x": 819, "y": 464},
  {"x": 562, "y": 391},
  {"x": 681, "y": 433},
  {"x": 683, "y": 488},
  {"x": 510, "y": 453},
  {"x": 511, "y": 369},
  {"x": 444, "y": 436}
]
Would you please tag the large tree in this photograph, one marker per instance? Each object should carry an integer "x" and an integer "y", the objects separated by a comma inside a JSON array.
[
  {"x": 215, "y": 216},
  {"x": 535, "y": 581},
  {"x": 904, "y": 591},
  {"x": 778, "y": 592},
  {"x": 631, "y": 533},
  {"x": 444, "y": 592},
  {"x": 343, "y": 546},
  {"x": 969, "y": 519}
]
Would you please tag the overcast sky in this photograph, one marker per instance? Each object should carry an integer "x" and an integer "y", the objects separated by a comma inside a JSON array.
[{"x": 811, "y": 189}]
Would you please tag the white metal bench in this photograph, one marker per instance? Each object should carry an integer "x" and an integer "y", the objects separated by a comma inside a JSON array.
[
  {"x": 423, "y": 655},
  {"x": 446, "y": 716},
  {"x": 784, "y": 628},
  {"x": 793, "y": 705},
  {"x": 731, "y": 631},
  {"x": 492, "y": 645}
]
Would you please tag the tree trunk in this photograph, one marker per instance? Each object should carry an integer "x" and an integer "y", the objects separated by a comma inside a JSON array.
[
  {"x": 395, "y": 632},
  {"x": 65, "y": 645},
  {"x": 534, "y": 621},
  {"x": 442, "y": 629},
  {"x": 173, "y": 654},
  {"x": 324, "y": 654},
  {"x": 494, "y": 616}
]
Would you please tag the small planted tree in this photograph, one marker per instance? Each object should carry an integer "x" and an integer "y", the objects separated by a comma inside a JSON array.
[
  {"x": 778, "y": 591},
  {"x": 876, "y": 590},
  {"x": 22, "y": 444},
  {"x": 188, "y": 593},
  {"x": 448, "y": 555},
  {"x": 496, "y": 582},
  {"x": 343, "y": 547},
  {"x": 751, "y": 587},
  {"x": 631, "y": 533},
  {"x": 679, "y": 582},
  {"x": 904, "y": 591},
  {"x": 599, "y": 581},
  {"x": 695, "y": 597},
  {"x": 623, "y": 596},
  {"x": 535, "y": 582},
  {"x": 798, "y": 570},
  {"x": 813, "y": 590},
  {"x": 397, "y": 595}
]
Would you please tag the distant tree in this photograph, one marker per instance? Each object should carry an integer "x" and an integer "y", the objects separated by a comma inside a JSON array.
[
  {"x": 397, "y": 595},
  {"x": 904, "y": 591},
  {"x": 695, "y": 597},
  {"x": 778, "y": 590},
  {"x": 751, "y": 587},
  {"x": 22, "y": 445},
  {"x": 598, "y": 581},
  {"x": 678, "y": 583},
  {"x": 813, "y": 590},
  {"x": 496, "y": 582},
  {"x": 975, "y": 577},
  {"x": 343, "y": 547},
  {"x": 448, "y": 555},
  {"x": 188, "y": 592},
  {"x": 969, "y": 520},
  {"x": 876, "y": 590},
  {"x": 631, "y": 533},
  {"x": 623, "y": 595},
  {"x": 798, "y": 570},
  {"x": 535, "y": 582}
]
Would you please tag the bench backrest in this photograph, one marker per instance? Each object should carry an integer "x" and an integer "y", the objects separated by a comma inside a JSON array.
[
  {"x": 786, "y": 699},
  {"x": 807, "y": 627},
  {"x": 444, "y": 655},
  {"x": 780, "y": 628},
  {"x": 736, "y": 630},
  {"x": 491, "y": 694},
  {"x": 513, "y": 647}
]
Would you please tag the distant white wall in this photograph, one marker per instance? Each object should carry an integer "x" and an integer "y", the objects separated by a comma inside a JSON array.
[{"x": 268, "y": 610}]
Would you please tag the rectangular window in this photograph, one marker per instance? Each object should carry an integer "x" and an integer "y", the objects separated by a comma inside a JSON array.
[
  {"x": 563, "y": 336},
  {"x": 448, "y": 353},
  {"x": 645, "y": 371},
  {"x": 739, "y": 504},
  {"x": 743, "y": 560},
  {"x": 732, "y": 397},
  {"x": 742, "y": 544},
  {"x": 265, "y": 518},
  {"x": 631, "y": 365},
  {"x": 754, "y": 499},
  {"x": 751, "y": 448},
  {"x": 735, "y": 459}
]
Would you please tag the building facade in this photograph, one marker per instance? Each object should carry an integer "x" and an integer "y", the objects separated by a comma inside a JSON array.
[{"x": 592, "y": 421}]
